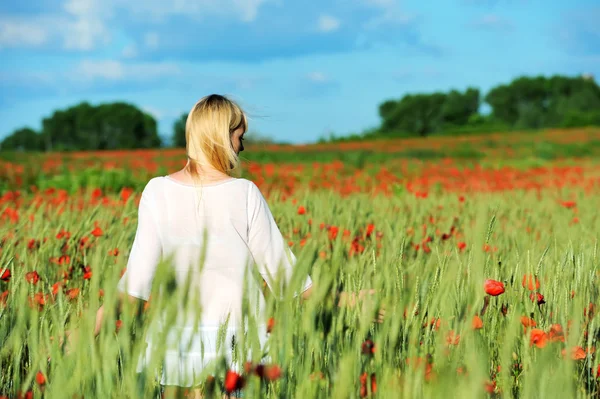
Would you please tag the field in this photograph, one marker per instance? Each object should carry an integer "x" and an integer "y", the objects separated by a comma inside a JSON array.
[{"x": 483, "y": 251}]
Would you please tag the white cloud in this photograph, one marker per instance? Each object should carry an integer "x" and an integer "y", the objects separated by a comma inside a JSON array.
[
  {"x": 112, "y": 70},
  {"x": 107, "y": 70},
  {"x": 22, "y": 33},
  {"x": 327, "y": 23},
  {"x": 130, "y": 51},
  {"x": 87, "y": 24},
  {"x": 318, "y": 77},
  {"x": 391, "y": 14},
  {"x": 244, "y": 10}
]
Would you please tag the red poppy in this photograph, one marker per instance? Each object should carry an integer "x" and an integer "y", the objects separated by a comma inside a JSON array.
[
  {"x": 477, "y": 323},
  {"x": 368, "y": 347},
  {"x": 87, "y": 273},
  {"x": 537, "y": 297},
  {"x": 538, "y": 338},
  {"x": 490, "y": 386},
  {"x": 32, "y": 277},
  {"x": 33, "y": 244},
  {"x": 530, "y": 282},
  {"x": 268, "y": 372},
  {"x": 63, "y": 234},
  {"x": 73, "y": 293},
  {"x": 556, "y": 333},
  {"x": 527, "y": 322},
  {"x": 363, "y": 385},
  {"x": 55, "y": 288},
  {"x": 493, "y": 287},
  {"x": 270, "y": 324},
  {"x": 97, "y": 232},
  {"x": 461, "y": 246},
  {"x": 301, "y": 210},
  {"x": 578, "y": 353},
  {"x": 28, "y": 395},
  {"x": 3, "y": 297},
  {"x": 40, "y": 378},
  {"x": 333, "y": 232},
  {"x": 5, "y": 275},
  {"x": 233, "y": 381},
  {"x": 452, "y": 338}
]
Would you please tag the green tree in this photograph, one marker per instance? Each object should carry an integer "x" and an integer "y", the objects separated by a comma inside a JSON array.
[
  {"x": 546, "y": 102},
  {"x": 420, "y": 114},
  {"x": 116, "y": 125},
  {"x": 459, "y": 107},
  {"x": 178, "y": 139},
  {"x": 25, "y": 139}
]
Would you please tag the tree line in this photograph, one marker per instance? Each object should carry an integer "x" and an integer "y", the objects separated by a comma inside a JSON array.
[{"x": 524, "y": 103}]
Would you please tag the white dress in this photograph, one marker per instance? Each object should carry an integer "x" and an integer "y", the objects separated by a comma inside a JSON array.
[{"x": 173, "y": 218}]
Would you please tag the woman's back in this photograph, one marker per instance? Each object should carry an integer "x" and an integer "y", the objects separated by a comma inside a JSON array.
[{"x": 211, "y": 235}]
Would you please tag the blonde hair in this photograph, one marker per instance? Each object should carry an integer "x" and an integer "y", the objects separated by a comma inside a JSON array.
[{"x": 208, "y": 130}]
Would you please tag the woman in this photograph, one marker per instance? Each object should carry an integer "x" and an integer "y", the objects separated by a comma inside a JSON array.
[{"x": 174, "y": 213}]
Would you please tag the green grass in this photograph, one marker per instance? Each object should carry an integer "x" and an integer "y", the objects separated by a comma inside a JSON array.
[{"x": 531, "y": 235}]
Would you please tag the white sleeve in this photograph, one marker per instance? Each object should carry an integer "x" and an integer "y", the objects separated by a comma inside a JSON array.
[
  {"x": 266, "y": 243},
  {"x": 145, "y": 253}
]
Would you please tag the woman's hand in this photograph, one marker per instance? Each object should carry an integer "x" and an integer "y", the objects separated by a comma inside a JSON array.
[
  {"x": 350, "y": 299},
  {"x": 99, "y": 318}
]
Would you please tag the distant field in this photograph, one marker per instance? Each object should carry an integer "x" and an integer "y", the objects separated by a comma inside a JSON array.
[{"x": 397, "y": 159}]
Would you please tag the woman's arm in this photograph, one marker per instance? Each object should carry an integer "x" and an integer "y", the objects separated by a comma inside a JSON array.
[
  {"x": 137, "y": 302},
  {"x": 350, "y": 299}
]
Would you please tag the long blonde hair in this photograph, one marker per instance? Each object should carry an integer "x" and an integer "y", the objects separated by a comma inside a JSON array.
[{"x": 208, "y": 131}]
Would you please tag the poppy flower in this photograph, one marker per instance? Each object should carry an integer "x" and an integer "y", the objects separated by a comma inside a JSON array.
[
  {"x": 118, "y": 325},
  {"x": 233, "y": 381},
  {"x": 363, "y": 385},
  {"x": 530, "y": 282},
  {"x": 452, "y": 338},
  {"x": 301, "y": 210},
  {"x": 40, "y": 378},
  {"x": 87, "y": 272},
  {"x": 578, "y": 353},
  {"x": 556, "y": 333},
  {"x": 537, "y": 297},
  {"x": 493, "y": 287},
  {"x": 5, "y": 275},
  {"x": 538, "y": 338},
  {"x": 268, "y": 372},
  {"x": 3, "y": 297},
  {"x": 461, "y": 246},
  {"x": 97, "y": 232},
  {"x": 527, "y": 322},
  {"x": 368, "y": 347},
  {"x": 63, "y": 234},
  {"x": 270, "y": 324},
  {"x": 73, "y": 293},
  {"x": 32, "y": 277},
  {"x": 477, "y": 323},
  {"x": 55, "y": 288},
  {"x": 33, "y": 244},
  {"x": 490, "y": 386}
]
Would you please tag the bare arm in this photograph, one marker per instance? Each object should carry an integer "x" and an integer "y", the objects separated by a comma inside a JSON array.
[{"x": 122, "y": 297}]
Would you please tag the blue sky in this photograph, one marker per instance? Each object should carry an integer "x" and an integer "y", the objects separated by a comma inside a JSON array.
[{"x": 301, "y": 69}]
